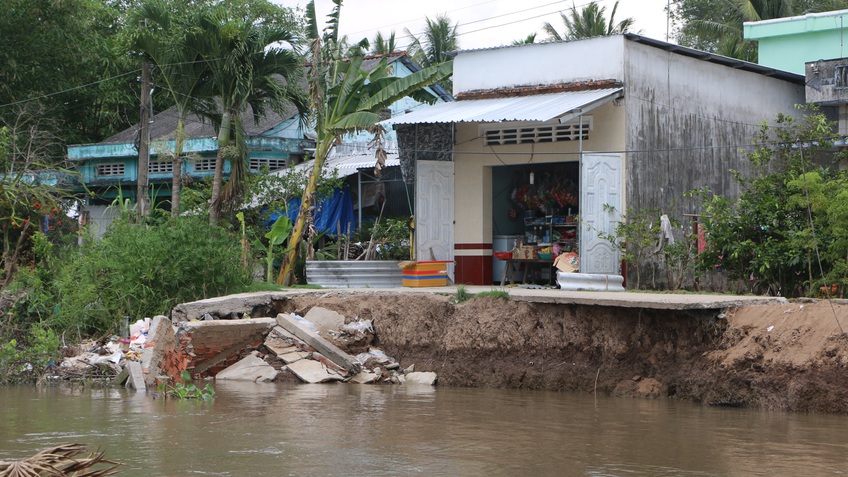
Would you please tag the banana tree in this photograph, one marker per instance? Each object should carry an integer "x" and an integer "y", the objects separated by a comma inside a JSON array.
[{"x": 345, "y": 98}]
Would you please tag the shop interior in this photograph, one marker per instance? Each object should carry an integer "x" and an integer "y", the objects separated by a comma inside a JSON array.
[{"x": 535, "y": 209}]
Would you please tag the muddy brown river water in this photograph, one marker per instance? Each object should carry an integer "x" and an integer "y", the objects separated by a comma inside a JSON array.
[{"x": 340, "y": 430}]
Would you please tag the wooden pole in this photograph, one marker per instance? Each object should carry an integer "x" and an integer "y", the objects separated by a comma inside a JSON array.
[{"x": 142, "y": 200}]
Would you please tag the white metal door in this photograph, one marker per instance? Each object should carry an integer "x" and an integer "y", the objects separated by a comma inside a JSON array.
[
  {"x": 434, "y": 211},
  {"x": 600, "y": 211}
]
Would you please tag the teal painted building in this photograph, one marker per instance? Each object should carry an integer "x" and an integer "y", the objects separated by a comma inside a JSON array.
[
  {"x": 787, "y": 43},
  {"x": 110, "y": 167}
]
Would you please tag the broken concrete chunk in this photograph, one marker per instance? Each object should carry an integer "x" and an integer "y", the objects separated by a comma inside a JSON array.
[
  {"x": 120, "y": 379},
  {"x": 279, "y": 345},
  {"x": 136, "y": 377},
  {"x": 281, "y": 332},
  {"x": 157, "y": 358},
  {"x": 325, "y": 320},
  {"x": 249, "y": 368},
  {"x": 331, "y": 351},
  {"x": 293, "y": 356},
  {"x": 364, "y": 378},
  {"x": 428, "y": 378},
  {"x": 312, "y": 372}
]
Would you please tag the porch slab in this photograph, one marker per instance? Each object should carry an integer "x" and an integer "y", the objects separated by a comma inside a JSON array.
[{"x": 625, "y": 299}]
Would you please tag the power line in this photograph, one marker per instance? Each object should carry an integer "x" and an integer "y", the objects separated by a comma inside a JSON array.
[{"x": 49, "y": 95}]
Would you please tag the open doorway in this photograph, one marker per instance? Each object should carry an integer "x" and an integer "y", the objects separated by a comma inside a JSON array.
[{"x": 534, "y": 211}]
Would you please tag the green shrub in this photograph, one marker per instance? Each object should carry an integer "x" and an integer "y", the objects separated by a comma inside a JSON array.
[
  {"x": 25, "y": 360},
  {"x": 144, "y": 270},
  {"x": 786, "y": 234}
]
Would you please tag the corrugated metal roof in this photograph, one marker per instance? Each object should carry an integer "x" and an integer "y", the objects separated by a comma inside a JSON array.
[{"x": 541, "y": 107}]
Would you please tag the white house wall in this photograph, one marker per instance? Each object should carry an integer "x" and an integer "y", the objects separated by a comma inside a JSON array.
[{"x": 539, "y": 64}]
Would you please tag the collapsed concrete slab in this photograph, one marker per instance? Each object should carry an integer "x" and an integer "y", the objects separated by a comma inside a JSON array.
[
  {"x": 250, "y": 368},
  {"x": 313, "y": 372},
  {"x": 215, "y": 345},
  {"x": 327, "y": 349},
  {"x": 229, "y": 307},
  {"x": 201, "y": 347}
]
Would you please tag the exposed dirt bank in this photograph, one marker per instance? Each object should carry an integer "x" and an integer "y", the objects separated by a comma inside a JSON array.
[{"x": 778, "y": 357}]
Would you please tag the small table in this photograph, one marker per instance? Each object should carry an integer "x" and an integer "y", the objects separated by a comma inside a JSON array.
[{"x": 528, "y": 263}]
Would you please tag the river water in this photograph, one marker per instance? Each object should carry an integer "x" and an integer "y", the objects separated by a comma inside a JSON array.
[{"x": 333, "y": 430}]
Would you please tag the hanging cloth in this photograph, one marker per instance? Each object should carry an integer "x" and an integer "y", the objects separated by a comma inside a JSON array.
[{"x": 666, "y": 233}]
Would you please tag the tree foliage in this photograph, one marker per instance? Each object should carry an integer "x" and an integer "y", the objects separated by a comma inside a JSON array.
[
  {"x": 250, "y": 71},
  {"x": 588, "y": 22},
  {"x": 716, "y": 26},
  {"x": 432, "y": 46},
  {"x": 346, "y": 98},
  {"x": 788, "y": 232},
  {"x": 62, "y": 56},
  {"x": 383, "y": 45}
]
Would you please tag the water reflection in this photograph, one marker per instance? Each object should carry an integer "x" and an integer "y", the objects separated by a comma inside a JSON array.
[{"x": 271, "y": 430}]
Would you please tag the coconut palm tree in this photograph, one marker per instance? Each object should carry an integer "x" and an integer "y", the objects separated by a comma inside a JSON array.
[
  {"x": 588, "y": 22},
  {"x": 440, "y": 37},
  {"x": 528, "y": 40},
  {"x": 345, "y": 98},
  {"x": 382, "y": 45},
  {"x": 180, "y": 71},
  {"x": 249, "y": 71}
]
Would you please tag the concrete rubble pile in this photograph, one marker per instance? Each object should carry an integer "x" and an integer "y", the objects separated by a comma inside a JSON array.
[{"x": 288, "y": 348}]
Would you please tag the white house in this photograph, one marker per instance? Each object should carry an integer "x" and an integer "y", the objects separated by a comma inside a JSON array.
[{"x": 550, "y": 142}]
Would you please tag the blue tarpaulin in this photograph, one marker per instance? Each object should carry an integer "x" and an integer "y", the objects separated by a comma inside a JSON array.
[{"x": 329, "y": 213}]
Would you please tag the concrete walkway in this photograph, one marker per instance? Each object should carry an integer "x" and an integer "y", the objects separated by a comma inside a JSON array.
[{"x": 659, "y": 301}]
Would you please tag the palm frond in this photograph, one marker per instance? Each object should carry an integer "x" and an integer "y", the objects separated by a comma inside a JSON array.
[{"x": 61, "y": 461}]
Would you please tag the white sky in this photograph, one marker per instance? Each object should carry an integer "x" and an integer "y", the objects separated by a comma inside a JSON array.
[{"x": 482, "y": 23}]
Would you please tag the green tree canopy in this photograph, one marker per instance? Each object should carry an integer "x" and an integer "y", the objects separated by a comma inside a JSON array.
[
  {"x": 716, "y": 25},
  {"x": 62, "y": 57},
  {"x": 588, "y": 22},
  {"x": 249, "y": 69}
]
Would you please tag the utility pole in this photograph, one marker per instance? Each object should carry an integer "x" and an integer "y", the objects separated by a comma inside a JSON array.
[{"x": 142, "y": 200}]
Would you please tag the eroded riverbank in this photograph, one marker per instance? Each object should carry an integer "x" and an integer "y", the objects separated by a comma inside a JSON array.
[{"x": 789, "y": 356}]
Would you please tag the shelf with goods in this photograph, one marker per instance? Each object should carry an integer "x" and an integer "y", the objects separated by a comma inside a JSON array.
[{"x": 550, "y": 230}]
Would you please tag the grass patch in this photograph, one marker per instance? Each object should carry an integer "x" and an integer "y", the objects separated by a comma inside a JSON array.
[{"x": 493, "y": 293}]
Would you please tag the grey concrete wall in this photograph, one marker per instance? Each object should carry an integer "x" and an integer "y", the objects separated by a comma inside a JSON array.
[{"x": 689, "y": 122}]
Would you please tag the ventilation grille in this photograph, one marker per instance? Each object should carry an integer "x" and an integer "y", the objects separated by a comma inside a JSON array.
[
  {"x": 160, "y": 167},
  {"x": 523, "y": 134},
  {"x": 257, "y": 164},
  {"x": 110, "y": 169},
  {"x": 204, "y": 165}
]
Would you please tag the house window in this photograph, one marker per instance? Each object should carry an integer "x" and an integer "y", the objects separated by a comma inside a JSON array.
[
  {"x": 841, "y": 76},
  {"x": 160, "y": 167},
  {"x": 536, "y": 133},
  {"x": 110, "y": 169},
  {"x": 256, "y": 164},
  {"x": 204, "y": 165}
]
